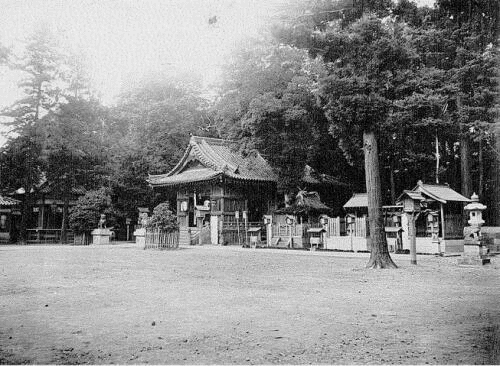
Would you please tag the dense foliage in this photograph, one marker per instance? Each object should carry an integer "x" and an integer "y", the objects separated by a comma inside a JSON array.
[
  {"x": 163, "y": 218},
  {"x": 85, "y": 215}
]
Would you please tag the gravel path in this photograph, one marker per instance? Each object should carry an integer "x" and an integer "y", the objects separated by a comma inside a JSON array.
[{"x": 206, "y": 305}]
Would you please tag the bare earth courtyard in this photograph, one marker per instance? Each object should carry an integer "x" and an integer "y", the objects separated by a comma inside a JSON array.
[{"x": 119, "y": 304}]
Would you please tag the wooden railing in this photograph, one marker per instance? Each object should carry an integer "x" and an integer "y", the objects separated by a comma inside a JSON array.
[
  {"x": 48, "y": 236},
  {"x": 161, "y": 240},
  {"x": 284, "y": 230},
  {"x": 337, "y": 226},
  {"x": 236, "y": 233}
]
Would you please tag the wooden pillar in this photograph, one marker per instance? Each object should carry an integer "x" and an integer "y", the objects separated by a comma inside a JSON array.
[
  {"x": 41, "y": 215},
  {"x": 222, "y": 208},
  {"x": 413, "y": 240},
  {"x": 199, "y": 224},
  {"x": 442, "y": 225}
]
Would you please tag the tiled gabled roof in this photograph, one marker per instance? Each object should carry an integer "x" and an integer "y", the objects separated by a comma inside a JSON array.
[
  {"x": 218, "y": 158},
  {"x": 357, "y": 200},
  {"x": 440, "y": 193},
  {"x": 7, "y": 201}
]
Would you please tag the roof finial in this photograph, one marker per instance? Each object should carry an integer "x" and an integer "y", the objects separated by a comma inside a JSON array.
[{"x": 420, "y": 183}]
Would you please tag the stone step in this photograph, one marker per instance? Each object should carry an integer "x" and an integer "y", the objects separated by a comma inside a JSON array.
[{"x": 184, "y": 238}]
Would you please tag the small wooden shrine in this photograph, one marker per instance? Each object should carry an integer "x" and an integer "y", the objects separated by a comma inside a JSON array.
[
  {"x": 216, "y": 189},
  {"x": 9, "y": 219},
  {"x": 440, "y": 227}
]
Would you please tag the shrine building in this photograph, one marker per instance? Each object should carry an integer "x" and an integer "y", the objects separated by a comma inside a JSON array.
[{"x": 214, "y": 187}]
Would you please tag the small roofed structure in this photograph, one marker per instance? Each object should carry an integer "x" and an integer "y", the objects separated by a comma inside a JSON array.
[
  {"x": 445, "y": 203},
  {"x": 439, "y": 228},
  {"x": 440, "y": 193},
  {"x": 411, "y": 201},
  {"x": 357, "y": 201},
  {"x": 9, "y": 219},
  {"x": 306, "y": 204}
]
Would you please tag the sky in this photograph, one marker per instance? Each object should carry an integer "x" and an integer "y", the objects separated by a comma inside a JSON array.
[
  {"x": 120, "y": 38},
  {"x": 129, "y": 37}
]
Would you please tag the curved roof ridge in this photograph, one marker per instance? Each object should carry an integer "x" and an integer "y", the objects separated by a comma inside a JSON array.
[
  {"x": 212, "y": 140},
  {"x": 203, "y": 156},
  {"x": 178, "y": 166}
]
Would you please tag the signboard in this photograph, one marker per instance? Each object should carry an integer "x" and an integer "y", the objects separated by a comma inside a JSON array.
[{"x": 184, "y": 206}]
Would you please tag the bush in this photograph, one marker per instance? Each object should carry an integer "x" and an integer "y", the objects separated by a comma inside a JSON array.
[
  {"x": 163, "y": 218},
  {"x": 85, "y": 215}
]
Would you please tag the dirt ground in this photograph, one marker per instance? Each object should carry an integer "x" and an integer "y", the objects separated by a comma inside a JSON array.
[{"x": 206, "y": 305}]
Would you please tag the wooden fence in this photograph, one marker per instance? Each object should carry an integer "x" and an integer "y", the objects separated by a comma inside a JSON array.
[
  {"x": 284, "y": 230},
  {"x": 48, "y": 236},
  {"x": 337, "y": 226},
  {"x": 161, "y": 240},
  {"x": 237, "y": 233}
]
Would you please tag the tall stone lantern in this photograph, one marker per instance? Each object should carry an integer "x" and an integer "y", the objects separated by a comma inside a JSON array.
[
  {"x": 475, "y": 252},
  {"x": 475, "y": 209}
]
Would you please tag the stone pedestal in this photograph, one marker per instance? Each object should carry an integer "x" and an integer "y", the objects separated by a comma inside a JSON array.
[
  {"x": 140, "y": 238},
  {"x": 474, "y": 254},
  {"x": 100, "y": 236}
]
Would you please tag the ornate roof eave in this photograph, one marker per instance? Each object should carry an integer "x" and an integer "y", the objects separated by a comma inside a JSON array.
[
  {"x": 232, "y": 179},
  {"x": 177, "y": 167},
  {"x": 222, "y": 178}
]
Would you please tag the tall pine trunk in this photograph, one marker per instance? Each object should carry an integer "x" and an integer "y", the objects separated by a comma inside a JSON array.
[
  {"x": 466, "y": 180},
  {"x": 393, "y": 185},
  {"x": 465, "y": 166},
  {"x": 379, "y": 257},
  {"x": 495, "y": 180},
  {"x": 480, "y": 159}
]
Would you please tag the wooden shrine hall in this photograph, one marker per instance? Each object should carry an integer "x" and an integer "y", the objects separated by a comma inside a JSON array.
[{"x": 215, "y": 188}]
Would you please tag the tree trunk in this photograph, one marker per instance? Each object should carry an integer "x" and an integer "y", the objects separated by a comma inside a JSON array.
[
  {"x": 379, "y": 257},
  {"x": 495, "y": 181},
  {"x": 465, "y": 166},
  {"x": 480, "y": 188},
  {"x": 23, "y": 229},
  {"x": 393, "y": 185}
]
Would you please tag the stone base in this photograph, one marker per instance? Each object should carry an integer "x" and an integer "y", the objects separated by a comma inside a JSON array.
[
  {"x": 475, "y": 254},
  {"x": 100, "y": 236},
  {"x": 473, "y": 261},
  {"x": 140, "y": 238}
]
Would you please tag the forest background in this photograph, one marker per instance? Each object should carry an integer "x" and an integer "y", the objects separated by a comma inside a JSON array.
[{"x": 421, "y": 82}]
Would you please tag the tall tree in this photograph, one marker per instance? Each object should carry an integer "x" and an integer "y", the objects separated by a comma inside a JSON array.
[
  {"x": 473, "y": 27},
  {"x": 21, "y": 170},
  {"x": 149, "y": 129},
  {"x": 267, "y": 103},
  {"x": 40, "y": 67},
  {"x": 72, "y": 149},
  {"x": 366, "y": 58}
]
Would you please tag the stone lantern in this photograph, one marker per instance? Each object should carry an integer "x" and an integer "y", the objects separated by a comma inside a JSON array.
[
  {"x": 475, "y": 253},
  {"x": 475, "y": 209}
]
